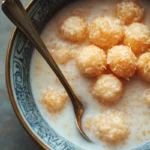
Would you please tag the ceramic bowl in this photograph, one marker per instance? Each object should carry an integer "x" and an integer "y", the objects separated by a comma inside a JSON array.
[{"x": 18, "y": 79}]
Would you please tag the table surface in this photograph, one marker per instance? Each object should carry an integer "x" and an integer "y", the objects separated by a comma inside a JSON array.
[{"x": 12, "y": 135}]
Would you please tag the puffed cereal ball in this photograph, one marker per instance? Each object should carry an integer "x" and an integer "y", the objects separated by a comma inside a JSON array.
[
  {"x": 74, "y": 28},
  {"x": 147, "y": 97},
  {"x": 122, "y": 61},
  {"x": 54, "y": 101},
  {"x": 129, "y": 11},
  {"x": 105, "y": 32},
  {"x": 107, "y": 89},
  {"x": 91, "y": 61},
  {"x": 143, "y": 65},
  {"x": 110, "y": 127},
  {"x": 137, "y": 37},
  {"x": 63, "y": 56}
]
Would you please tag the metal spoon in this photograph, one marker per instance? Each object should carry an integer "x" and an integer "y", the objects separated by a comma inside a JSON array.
[{"x": 15, "y": 11}]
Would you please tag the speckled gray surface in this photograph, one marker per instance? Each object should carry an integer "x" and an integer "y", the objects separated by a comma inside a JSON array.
[{"x": 12, "y": 134}]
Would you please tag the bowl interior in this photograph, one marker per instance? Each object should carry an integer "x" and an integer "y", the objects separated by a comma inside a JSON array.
[{"x": 21, "y": 50}]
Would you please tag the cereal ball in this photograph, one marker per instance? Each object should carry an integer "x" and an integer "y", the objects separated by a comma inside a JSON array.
[
  {"x": 74, "y": 28},
  {"x": 147, "y": 97},
  {"x": 63, "y": 52},
  {"x": 105, "y": 32},
  {"x": 137, "y": 37},
  {"x": 63, "y": 56},
  {"x": 122, "y": 61},
  {"x": 109, "y": 127},
  {"x": 54, "y": 101},
  {"x": 129, "y": 11},
  {"x": 107, "y": 89},
  {"x": 91, "y": 61},
  {"x": 143, "y": 65}
]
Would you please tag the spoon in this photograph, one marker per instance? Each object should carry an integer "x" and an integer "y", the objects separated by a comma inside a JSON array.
[{"x": 15, "y": 11}]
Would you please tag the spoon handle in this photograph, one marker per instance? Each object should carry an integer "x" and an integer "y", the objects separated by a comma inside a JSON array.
[{"x": 17, "y": 14}]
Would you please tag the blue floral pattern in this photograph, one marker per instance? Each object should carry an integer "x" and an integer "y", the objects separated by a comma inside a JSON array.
[{"x": 39, "y": 13}]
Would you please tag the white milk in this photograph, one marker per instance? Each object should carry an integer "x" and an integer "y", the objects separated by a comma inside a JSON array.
[{"x": 137, "y": 113}]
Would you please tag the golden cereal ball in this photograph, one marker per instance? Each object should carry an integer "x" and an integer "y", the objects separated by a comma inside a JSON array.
[
  {"x": 91, "y": 61},
  {"x": 147, "y": 97},
  {"x": 129, "y": 11},
  {"x": 122, "y": 61},
  {"x": 111, "y": 127},
  {"x": 143, "y": 65},
  {"x": 107, "y": 89},
  {"x": 105, "y": 32},
  {"x": 63, "y": 56},
  {"x": 74, "y": 28},
  {"x": 137, "y": 37},
  {"x": 54, "y": 101}
]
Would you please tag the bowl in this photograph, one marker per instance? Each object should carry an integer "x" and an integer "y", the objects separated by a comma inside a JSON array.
[{"x": 18, "y": 80}]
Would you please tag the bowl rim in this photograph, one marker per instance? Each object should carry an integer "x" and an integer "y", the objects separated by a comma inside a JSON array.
[{"x": 9, "y": 88}]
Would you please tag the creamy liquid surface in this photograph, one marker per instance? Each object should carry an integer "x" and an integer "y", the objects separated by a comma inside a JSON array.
[{"x": 137, "y": 113}]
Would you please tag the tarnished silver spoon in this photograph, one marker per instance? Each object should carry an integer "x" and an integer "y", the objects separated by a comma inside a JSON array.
[{"x": 15, "y": 11}]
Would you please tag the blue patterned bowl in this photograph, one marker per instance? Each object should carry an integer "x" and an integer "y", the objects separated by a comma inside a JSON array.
[{"x": 18, "y": 80}]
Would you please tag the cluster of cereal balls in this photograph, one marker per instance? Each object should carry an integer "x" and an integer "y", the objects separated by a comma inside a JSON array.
[
  {"x": 119, "y": 46},
  {"x": 118, "y": 43}
]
